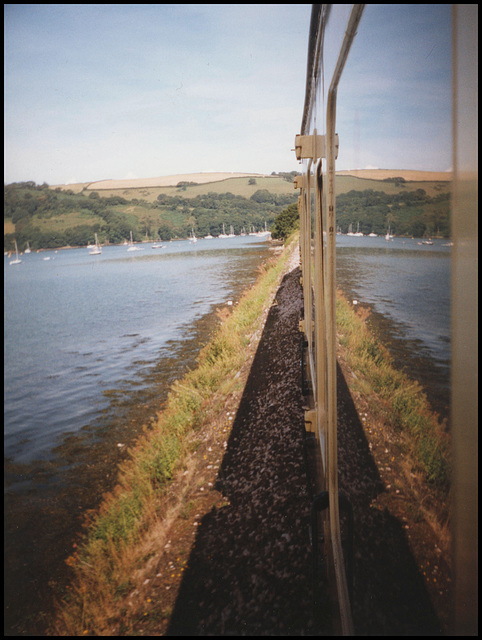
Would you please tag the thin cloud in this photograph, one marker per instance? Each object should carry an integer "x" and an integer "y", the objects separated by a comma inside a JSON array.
[{"x": 98, "y": 91}]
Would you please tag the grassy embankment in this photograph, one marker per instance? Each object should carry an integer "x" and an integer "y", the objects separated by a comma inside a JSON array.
[
  {"x": 124, "y": 533},
  {"x": 393, "y": 397}
]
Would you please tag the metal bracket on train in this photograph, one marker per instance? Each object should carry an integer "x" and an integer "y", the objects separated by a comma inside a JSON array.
[
  {"x": 320, "y": 503},
  {"x": 299, "y": 182},
  {"x": 312, "y": 147},
  {"x": 310, "y": 420}
]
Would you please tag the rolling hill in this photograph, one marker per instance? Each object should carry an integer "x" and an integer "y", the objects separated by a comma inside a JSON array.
[{"x": 170, "y": 206}]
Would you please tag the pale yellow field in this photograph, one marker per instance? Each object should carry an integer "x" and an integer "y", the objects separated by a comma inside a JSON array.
[
  {"x": 382, "y": 174},
  {"x": 211, "y": 177},
  {"x": 168, "y": 181},
  {"x": 76, "y": 188}
]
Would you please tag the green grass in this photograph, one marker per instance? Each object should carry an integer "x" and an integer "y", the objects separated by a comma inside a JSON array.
[
  {"x": 344, "y": 184},
  {"x": 394, "y": 396},
  {"x": 65, "y": 221},
  {"x": 115, "y": 541},
  {"x": 274, "y": 184},
  {"x": 236, "y": 186}
]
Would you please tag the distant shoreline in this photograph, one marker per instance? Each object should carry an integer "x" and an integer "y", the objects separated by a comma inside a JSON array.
[{"x": 120, "y": 244}]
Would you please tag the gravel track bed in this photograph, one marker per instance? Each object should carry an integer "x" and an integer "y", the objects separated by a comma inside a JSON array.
[
  {"x": 249, "y": 573},
  {"x": 242, "y": 564}
]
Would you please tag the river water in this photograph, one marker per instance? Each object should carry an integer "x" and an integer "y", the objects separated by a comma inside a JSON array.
[
  {"x": 77, "y": 325},
  {"x": 92, "y": 344},
  {"x": 406, "y": 284}
]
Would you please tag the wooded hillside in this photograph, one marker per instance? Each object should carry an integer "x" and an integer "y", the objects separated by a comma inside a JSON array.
[{"x": 50, "y": 218}]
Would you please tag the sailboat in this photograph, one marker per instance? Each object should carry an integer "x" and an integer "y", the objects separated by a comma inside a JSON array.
[
  {"x": 193, "y": 236},
  {"x": 388, "y": 236},
  {"x": 17, "y": 259},
  {"x": 132, "y": 247},
  {"x": 223, "y": 234},
  {"x": 358, "y": 233},
  {"x": 265, "y": 232},
  {"x": 28, "y": 250},
  {"x": 97, "y": 249}
]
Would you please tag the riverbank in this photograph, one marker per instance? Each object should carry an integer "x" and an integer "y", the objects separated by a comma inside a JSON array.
[
  {"x": 228, "y": 541},
  {"x": 136, "y": 516},
  {"x": 401, "y": 492},
  {"x": 79, "y": 388}
]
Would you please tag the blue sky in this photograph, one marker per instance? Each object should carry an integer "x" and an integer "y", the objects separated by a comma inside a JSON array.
[
  {"x": 395, "y": 93},
  {"x": 121, "y": 91}
]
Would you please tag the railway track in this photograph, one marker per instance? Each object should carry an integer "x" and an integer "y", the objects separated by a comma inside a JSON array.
[
  {"x": 300, "y": 535},
  {"x": 249, "y": 565}
]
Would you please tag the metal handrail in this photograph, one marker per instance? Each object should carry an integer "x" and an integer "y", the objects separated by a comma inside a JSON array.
[
  {"x": 331, "y": 152},
  {"x": 319, "y": 280}
]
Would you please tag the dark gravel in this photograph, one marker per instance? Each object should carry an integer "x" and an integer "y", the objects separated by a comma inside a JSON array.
[{"x": 249, "y": 571}]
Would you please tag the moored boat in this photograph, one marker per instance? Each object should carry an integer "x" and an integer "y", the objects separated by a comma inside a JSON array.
[{"x": 17, "y": 259}]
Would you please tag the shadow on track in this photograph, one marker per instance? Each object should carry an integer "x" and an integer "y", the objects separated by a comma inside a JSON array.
[{"x": 249, "y": 572}]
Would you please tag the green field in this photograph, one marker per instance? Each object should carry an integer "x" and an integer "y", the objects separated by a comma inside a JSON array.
[
  {"x": 274, "y": 184},
  {"x": 344, "y": 184},
  {"x": 236, "y": 186},
  {"x": 70, "y": 215},
  {"x": 65, "y": 221}
]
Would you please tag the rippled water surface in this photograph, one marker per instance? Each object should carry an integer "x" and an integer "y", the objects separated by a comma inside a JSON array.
[
  {"x": 92, "y": 343},
  {"x": 77, "y": 324}
]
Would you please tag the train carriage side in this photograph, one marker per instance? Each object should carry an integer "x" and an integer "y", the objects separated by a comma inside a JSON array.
[{"x": 333, "y": 29}]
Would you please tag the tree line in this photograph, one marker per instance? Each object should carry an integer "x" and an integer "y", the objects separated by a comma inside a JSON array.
[
  {"x": 35, "y": 210},
  {"x": 214, "y": 213},
  {"x": 410, "y": 213},
  {"x": 407, "y": 213}
]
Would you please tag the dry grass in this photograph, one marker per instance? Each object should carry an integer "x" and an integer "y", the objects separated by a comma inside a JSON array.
[
  {"x": 168, "y": 181},
  {"x": 383, "y": 174},
  {"x": 129, "y": 531},
  {"x": 398, "y": 398},
  {"x": 8, "y": 227},
  {"x": 214, "y": 177}
]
